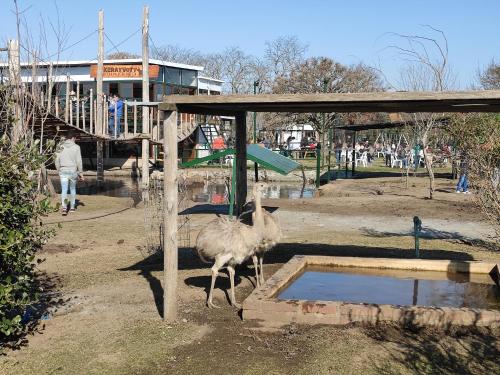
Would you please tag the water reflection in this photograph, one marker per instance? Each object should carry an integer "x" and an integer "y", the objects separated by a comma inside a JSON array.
[
  {"x": 215, "y": 192},
  {"x": 394, "y": 288},
  {"x": 111, "y": 187},
  {"x": 218, "y": 192}
]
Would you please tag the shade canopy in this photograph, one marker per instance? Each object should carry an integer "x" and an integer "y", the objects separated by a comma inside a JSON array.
[
  {"x": 459, "y": 101},
  {"x": 261, "y": 155}
]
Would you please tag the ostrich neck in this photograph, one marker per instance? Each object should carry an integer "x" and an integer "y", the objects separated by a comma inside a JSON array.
[{"x": 258, "y": 209}]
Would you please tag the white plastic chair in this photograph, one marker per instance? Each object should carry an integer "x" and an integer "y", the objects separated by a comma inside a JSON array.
[
  {"x": 395, "y": 161},
  {"x": 363, "y": 159}
]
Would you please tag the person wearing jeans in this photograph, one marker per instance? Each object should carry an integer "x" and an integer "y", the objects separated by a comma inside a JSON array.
[
  {"x": 68, "y": 179},
  {"x": 463, "y": 184},
  {"x": 69, "y": 165},
  {"x": 463, "y": 181}
]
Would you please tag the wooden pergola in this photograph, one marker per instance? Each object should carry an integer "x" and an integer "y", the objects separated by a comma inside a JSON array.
[{"x": 239, "y": 105}]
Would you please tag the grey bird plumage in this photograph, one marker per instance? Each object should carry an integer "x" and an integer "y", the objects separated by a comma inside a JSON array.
[{"x": 228, "y": 242}]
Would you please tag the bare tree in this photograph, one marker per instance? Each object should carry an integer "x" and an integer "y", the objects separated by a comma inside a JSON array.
[
  {"x": 322, "y": 74},
  {"x": 284, "y": 55},
  {"x": 121, "y": 55},
  {"x": 237, "y": 70},
  {"x": 178, "y": 54},
  {"x": 490, "y": 77},
  {"x": 427, "y": 69}
]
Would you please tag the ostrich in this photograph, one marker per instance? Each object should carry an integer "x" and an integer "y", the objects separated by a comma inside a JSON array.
[
  {"x": 229, "y": 242},
  {"x": 271, "y": 234}
]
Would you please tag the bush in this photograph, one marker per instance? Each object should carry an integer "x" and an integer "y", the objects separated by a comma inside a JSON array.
[
  {"x": 478, "y": 136},
  {"x": 21, "y": 232}
]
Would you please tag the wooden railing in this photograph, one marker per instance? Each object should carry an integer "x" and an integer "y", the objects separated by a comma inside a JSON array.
[{"x": 81, "y": 112}]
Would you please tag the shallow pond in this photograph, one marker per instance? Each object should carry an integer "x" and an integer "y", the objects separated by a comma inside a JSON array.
[{"x": 394, "y": 287}]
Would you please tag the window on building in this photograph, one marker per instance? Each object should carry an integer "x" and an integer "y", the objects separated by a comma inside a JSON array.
[
  {"x": 137, "y": 91},
  {"x": 113, "y": 88},
  {"x": 173, "y": 76},
  {"x": 188, "y": 78}
]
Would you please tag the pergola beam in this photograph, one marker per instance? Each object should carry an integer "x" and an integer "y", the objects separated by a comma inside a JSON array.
[{"x": 463, "y": 101}]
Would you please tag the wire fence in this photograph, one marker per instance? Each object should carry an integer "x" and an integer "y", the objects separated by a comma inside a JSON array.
[{"x": 153, "y": 214}]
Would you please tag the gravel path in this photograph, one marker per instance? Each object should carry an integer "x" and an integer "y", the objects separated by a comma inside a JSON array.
[{"x": 380, "y": 225}]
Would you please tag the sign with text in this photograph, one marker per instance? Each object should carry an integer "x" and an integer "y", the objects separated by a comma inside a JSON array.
[{"x": 124, "y": 71}]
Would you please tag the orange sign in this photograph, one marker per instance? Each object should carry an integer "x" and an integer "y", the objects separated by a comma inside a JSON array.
[{"x": 124, "y": 71}]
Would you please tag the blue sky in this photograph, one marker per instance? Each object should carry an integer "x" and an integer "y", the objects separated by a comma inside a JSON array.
[{"x": 348, "y": 31}]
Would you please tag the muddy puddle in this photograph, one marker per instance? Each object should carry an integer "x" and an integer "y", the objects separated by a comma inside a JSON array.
[{"x": 394, "y": 287}]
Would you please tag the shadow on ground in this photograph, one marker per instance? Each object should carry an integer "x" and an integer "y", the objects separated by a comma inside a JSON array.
[
  {"x": 188, "y": 260},
  {"x": 457, "y": 350},
  {"x": 34, "y": 315},
  {"x": 433, "y": 234}
]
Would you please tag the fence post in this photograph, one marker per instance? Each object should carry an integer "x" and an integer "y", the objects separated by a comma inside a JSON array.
[
  {"x": 91, "y": 103},
  {"x": 83, "y": 115},
  {"x": 77, "y": 104},
  {"x": 318, "y": 164},
  {"x": 66, "y": 109},
  {"x": 115, "y": 117},
  {"x": 135, "y": 117},
  {"x": 125, "y": 124},
  {"x": 417, "y": 228}
]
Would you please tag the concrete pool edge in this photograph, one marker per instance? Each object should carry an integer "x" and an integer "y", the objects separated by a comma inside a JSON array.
[{"x": 263, "y": 305}]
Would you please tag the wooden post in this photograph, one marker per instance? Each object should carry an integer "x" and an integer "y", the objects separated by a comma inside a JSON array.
[
  {"x": 135, "y": 117},
  {"x": 71, "y": 111},
  {"x": 99, "y": 124},
  {"x": 241, "y": 161},
  {"x": 115, "y": 118},
  {"x": 77, "y": 104},
  {"x": 100, "y": 162},
  {"x": 95, "y": 116},
  {"x": 99, "y": 121},
  {"x": 66, "y": 109},
  {"x": 145, "y": 96},
  {"x": 105, "y": 115},
  {"x": 83, "y": 115},
  {"x": 125, "y": 126},
  {"x": 353, "y": 153},
  {"x": 170, "y": 244},
  {"x": 91, "y": 104},
  {"x": 158, "y": 124}
]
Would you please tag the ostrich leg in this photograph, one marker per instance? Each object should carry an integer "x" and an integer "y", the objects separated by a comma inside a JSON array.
[
  {"x": 256, "y": 266},
  {"x": 230, "y": 269},
  {"x": 261, "y": 261},
  {"x": 215, "y": 273}
]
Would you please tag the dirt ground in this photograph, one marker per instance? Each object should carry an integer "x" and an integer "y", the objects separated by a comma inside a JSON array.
[{"x": 108, "y": 295}]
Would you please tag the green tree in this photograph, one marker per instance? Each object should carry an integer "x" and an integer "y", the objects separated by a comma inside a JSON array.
[{"x": 21, "y": 207}]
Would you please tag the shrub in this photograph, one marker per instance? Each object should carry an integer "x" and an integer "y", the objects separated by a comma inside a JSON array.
[{"x": 21, "y": 232}]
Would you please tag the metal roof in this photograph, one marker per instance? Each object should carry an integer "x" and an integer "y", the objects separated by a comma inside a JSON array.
[
  {"x": 271, "y": 160},
  {"x": 66, "y": 63},
  {"x": 262, "y": 156}
]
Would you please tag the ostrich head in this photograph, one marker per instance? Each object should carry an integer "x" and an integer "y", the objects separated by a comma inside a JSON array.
[{"x": 258, "y": 189}]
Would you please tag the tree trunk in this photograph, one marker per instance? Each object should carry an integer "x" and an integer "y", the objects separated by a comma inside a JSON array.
[
  {"x": 323, "y": 149},
  {"x": 428, "y": 165}
]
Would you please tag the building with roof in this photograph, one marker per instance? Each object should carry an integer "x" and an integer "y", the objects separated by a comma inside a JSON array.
[{"x": 122, "y": 77}]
